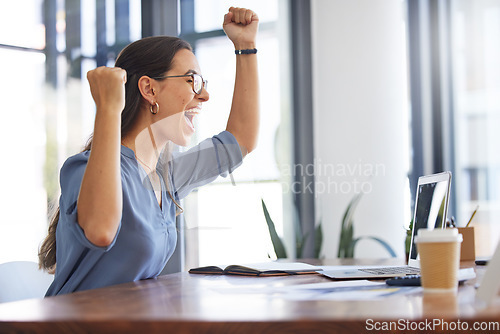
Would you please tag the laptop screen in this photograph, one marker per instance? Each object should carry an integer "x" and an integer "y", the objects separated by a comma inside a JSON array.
[{"x": 431, "y": 206}]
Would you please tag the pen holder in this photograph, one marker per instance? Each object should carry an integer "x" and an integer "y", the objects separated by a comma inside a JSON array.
[{"x": 468, "y": 248}]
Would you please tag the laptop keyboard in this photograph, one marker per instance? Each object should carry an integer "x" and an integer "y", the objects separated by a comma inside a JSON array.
[{"x": 391, "y": 270}]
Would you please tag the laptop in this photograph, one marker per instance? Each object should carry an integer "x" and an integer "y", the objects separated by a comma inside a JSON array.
[{"x": 431, "y": 206}]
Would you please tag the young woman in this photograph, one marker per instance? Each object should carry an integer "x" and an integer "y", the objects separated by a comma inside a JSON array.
[{"x": 119, "y": 197}]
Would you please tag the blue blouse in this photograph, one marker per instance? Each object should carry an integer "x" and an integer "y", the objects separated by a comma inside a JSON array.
[{"x": 147, "y": 235}]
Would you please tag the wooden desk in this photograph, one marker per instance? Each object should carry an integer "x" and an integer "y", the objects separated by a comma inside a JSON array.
[{"x": 184, "y": 303}]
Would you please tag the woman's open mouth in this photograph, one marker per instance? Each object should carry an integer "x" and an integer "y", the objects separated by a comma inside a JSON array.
[{"x": 190, "y": 114}]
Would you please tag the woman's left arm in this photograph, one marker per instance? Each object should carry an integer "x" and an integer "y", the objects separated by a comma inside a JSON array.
[{"x": 241, "y": 25}]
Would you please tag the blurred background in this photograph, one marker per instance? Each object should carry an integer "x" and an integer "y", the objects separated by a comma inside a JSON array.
[{"x": 359, "y": 96}]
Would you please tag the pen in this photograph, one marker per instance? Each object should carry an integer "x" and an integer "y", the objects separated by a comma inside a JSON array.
[{"x": 477, "y": 207}]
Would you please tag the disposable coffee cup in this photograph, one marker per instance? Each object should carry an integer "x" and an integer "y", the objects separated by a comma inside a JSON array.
[{"x": 439, "y": 252}]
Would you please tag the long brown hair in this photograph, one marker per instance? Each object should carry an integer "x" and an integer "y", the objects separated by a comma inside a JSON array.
[{"x": 150, "y": 56}]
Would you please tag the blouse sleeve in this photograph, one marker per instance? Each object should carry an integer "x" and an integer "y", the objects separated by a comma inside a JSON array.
[
  {"x": 71, "y": 177},
  {"x": 203, "y": 163}
]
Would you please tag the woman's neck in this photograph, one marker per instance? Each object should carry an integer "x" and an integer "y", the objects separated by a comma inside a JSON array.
[{"x": 146, "y": 148}]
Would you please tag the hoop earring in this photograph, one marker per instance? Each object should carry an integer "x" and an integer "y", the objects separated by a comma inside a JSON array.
[{"x": 152, "y": 110}]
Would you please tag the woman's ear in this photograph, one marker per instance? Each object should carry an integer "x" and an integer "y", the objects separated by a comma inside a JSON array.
[{"x": 147, "y": 88}]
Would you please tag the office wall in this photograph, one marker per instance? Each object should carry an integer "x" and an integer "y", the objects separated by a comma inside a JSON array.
[{"x": 361, "y": 120}]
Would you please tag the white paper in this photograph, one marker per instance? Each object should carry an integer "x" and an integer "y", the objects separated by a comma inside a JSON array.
[
  {"x": 342, "y": 267},
  {"x": 345, "y": 290}
]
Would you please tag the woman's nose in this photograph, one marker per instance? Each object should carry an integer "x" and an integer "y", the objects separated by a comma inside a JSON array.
[{"x": 204, "y": 96}]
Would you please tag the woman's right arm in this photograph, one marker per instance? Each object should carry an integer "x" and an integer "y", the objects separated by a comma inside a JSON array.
[{"x": 100, "y": 199}]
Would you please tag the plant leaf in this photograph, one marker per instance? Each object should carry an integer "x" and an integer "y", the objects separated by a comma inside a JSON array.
[
  {"x": 300, "y": 242},
  {"x": 382, "y": 242},
  {"x": 279, "y": 248},
  {"x": 300, "y": 238},
  {"x": 346, "y": 236},
  {"x": 347, "y": 228},
  {"x": 349, "y": 212},
  {"x": 318, "y": 235},
  {"x": 350, "y": 248}
]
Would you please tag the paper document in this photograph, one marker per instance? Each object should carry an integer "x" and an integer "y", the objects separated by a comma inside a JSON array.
[{"x": 345, "y": 290}]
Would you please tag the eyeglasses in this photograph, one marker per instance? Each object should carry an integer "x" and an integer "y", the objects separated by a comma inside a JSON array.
[{"x": 198, "y": 82}]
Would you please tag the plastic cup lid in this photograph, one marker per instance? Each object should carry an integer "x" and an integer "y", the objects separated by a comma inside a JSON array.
[{"x": 438, "y": 235}]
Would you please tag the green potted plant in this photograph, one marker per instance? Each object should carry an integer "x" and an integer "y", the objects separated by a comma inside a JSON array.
[
  {"x": 347, "y": 241},
  {"x": 300, "y": 238}
]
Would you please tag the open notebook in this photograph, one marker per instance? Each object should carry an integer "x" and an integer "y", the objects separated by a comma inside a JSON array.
[
  {"x": 259, "y": 269},
  {"x": 430, "y": 212}
]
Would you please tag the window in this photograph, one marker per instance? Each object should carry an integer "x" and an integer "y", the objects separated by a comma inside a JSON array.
[
  {"x": 475, "y": 26},
  {"x": 455, "y": 75},
  {"x": 48, "y": 114},
  {"x": 22, "y": 130},
  {"x": 46, "y": 47},
  {"x": 214, "y": 232}
]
